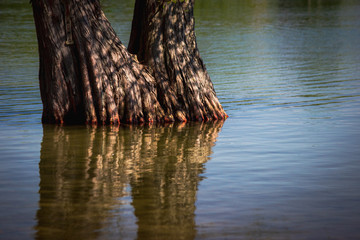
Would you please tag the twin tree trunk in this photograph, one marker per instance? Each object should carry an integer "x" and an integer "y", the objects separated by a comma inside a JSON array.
[{"x": 88, "y": 76}]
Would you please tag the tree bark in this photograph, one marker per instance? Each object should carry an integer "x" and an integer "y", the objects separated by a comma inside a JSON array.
[
  {"x": 86, "y": 73},
  {"x": 163, "y": 38},
  {"x": 88, "y": 76}
]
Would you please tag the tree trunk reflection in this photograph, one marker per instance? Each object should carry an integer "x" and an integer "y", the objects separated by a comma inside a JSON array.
[{"x": 85, "y": 174}]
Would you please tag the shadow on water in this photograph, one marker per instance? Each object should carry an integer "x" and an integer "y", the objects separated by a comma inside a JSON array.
[{"x": 93, "y": 181}]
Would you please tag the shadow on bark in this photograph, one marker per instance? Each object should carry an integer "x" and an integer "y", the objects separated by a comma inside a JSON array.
[
  {"x": 85, "y": 175},
  {"x": 163, "y": 38},
  {"x": 88, "y": 76}
]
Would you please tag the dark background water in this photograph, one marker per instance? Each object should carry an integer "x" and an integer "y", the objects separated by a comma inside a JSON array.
[{"x": 285, "y": 165}]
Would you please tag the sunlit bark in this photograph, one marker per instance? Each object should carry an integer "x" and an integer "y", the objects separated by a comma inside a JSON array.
[
  {"x": 94, "y": 79},
  {"x": 88, "y": 76},
  {"x": 163, "y": 38}
]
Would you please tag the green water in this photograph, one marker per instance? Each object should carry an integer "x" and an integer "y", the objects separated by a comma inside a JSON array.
[{"x": 285, "y": 165}]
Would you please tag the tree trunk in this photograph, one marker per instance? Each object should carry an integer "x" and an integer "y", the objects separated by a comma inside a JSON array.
[
  {"x": 88, "y": 76},
  {"x": 86, "y": 73},
  {"x": 163, "y": 38}
]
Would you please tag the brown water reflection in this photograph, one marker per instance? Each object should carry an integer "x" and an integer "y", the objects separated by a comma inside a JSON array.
[{"x": 96, "y": 183}]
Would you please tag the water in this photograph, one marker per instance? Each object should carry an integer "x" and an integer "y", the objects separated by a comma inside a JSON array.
[{"x": 285, "y": 165}]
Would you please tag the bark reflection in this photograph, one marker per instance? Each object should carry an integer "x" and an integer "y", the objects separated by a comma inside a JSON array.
[{"x": 85, "y": 174}]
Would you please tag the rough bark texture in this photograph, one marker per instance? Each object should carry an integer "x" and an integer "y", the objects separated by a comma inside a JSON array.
[
  {"x": 95, "y": 79},
  {"x": 88, "y": 76},
  {"x": 163, "y": 37}
]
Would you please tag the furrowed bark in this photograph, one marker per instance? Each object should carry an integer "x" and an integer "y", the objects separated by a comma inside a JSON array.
[
  {"x": 88, "y": 76},
  {"x": 93, "y": 79},
  {"x": 163, "y": 38}
]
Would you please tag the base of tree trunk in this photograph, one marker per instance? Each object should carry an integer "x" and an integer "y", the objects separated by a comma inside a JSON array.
[
  {"x": 87, "y": 76},
  {"x": 163, "y": 38}
]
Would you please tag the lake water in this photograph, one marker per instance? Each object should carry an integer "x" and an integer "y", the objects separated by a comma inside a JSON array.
[{"x": 284, "y": 165}]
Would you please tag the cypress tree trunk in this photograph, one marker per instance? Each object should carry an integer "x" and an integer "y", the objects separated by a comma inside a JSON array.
[
  {"x": 88, "y": 76},
  {"x": 86, "y": 73},
  {"x": 163, "y": 38}
]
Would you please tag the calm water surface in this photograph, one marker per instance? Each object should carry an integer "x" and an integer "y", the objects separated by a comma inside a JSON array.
[{"x": 285, "y": 165}]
